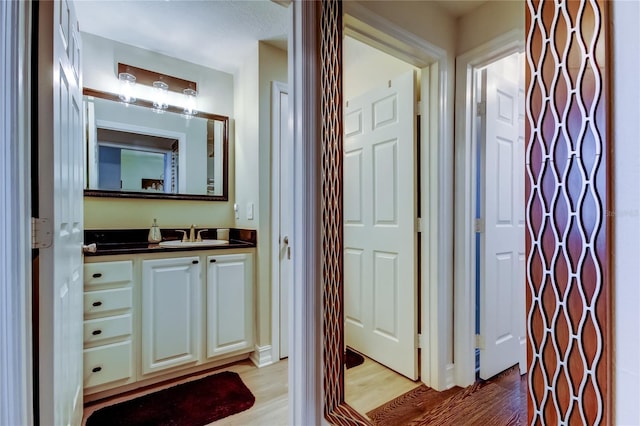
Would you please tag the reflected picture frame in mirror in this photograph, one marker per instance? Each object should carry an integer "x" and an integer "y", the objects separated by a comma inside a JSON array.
[{"x": 189, "y": 162}]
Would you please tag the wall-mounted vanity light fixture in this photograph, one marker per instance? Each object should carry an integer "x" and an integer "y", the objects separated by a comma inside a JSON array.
[{"x": 162, "y": 84}]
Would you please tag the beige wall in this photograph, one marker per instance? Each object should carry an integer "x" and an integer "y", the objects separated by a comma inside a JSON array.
[
  {"x": 253, "y": 164},
  {"x": 425, "y": 19},
  {"x": 215, "y": 95},
  {"x": 488, "y": 22}
]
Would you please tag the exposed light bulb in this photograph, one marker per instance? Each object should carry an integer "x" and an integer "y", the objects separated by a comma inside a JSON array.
[
  {"x": 127, "y": 85},
  {"x": 190, "y": 106},
  {"x": 161, "y": 92}
]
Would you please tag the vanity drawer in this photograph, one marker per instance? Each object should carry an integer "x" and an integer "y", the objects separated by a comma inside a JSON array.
[
  {"x": 96, "y": 330},
  {"x": 107, "y": 300},
  {"x": 108, "y": 272},
  {"x": 107, "y": 363}
]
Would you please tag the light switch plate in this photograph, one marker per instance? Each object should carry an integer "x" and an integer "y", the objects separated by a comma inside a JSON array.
[
  {"x": 250, "y": 211},
  {"x": 235, "y": 210}
]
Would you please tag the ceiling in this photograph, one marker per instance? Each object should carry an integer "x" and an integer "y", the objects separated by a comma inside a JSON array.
[{"x": 218, "y": 34}]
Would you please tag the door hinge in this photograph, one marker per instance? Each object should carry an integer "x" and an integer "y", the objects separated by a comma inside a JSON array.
[
  {"x": 418, "y": 224},
  {"x": 420, "y": 341},
  {"x": 479, "y": 225},
  {"x": 41, "y": 233},
  {"x": 419, "y": 108},
  {"x": 481, "y": 108},
  {"x": 479, "y": 341}
]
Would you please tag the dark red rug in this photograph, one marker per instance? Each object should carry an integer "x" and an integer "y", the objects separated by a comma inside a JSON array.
[
  {"x": 194, "y": 403},
  {"x": 352, "y": 358}
]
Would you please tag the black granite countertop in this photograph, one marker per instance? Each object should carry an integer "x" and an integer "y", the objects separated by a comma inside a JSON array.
[{"x": 134, "y": 241}]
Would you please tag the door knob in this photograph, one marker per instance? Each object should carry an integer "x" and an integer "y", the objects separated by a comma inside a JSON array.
[
  {"x": 91, "y": 248},
  {"x": 285, "y": 240}
]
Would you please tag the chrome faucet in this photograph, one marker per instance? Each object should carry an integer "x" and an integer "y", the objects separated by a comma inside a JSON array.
[{"x": 192, "y": 234}]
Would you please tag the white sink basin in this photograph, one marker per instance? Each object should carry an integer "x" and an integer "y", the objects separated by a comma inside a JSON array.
[{"x": 203, "y": 243}]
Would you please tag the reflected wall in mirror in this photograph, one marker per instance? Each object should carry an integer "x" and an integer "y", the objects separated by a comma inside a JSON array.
[{"x": 133, "y": 151}]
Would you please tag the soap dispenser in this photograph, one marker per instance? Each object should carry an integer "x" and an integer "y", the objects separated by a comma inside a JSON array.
[{"x": 154, "y": 233}]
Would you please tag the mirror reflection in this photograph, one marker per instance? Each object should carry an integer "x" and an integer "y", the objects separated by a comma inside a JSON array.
[{"x": 134, "y": 151}]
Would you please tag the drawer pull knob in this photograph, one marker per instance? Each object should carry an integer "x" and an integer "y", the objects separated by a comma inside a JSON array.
[
  {"x": 96, "y": 332},
  {"x": 212, "y": 261},
  {"x": 97, "y": 275},
  {"x": 97, "y": 303},
  {"x": 96, "y": 369},
  {"x": 195, "y": 262}
]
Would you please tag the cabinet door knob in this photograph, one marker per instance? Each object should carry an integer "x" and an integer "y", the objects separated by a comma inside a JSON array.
[
  {"x": 97, "y": 275},
  {"x": 195, "y": 262},
  {"x": 96, "y": 332},
  {"x": 98, "y": 303},
  {"x": 212, "y": 261},
  {"x": 96, "y": 369}
]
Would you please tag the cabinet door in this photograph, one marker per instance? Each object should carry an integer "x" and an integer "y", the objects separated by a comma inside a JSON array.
[
  {"x": 170, "y": 313},
  {"x": 229, "y": 303}
]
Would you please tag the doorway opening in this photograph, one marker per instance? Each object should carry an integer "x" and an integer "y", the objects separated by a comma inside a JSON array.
[
  {"x": 500, "y": 224},
  {"x": 489, "y": 329},
  {"x": 381, "y": 202}
]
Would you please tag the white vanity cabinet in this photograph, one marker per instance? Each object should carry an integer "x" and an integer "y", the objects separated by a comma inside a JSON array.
[
  {"x": 170, "y": 312},
  {"x": 229, "y": 303},
  {"x": 156, "y": 316},
  {"x": 108, "y": 325}
]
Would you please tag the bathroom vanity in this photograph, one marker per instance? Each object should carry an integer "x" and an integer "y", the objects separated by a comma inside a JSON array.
[{"x": 154, "y": 313}]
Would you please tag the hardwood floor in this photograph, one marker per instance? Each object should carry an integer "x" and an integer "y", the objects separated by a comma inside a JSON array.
[
  {"x": 499, "y": 401},
  {"x": 368, "y": 388}
]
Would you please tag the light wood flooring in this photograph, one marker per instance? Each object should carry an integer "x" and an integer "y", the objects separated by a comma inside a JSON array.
[
  {"x": 370, "y": 385},
  {"x": 268, "y": 384},
  {"x": 367, "y": 387}
]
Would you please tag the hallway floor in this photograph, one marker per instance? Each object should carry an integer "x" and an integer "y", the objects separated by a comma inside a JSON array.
[{"x": 499, "y": 401}]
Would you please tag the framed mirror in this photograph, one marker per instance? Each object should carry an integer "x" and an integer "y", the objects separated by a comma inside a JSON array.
[{"x": 133, "y": 151}]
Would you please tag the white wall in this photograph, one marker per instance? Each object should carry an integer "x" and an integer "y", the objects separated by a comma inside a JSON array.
[
  {"x": 366, "y": 68},
  {"x": 625, "y": 63},
  {"x": 215, "y": 95},
  {"x": 100, "y": 66}
]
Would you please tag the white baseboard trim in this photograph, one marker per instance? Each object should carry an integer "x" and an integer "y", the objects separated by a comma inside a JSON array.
[
  {"x": 449, "y": 377},
  {"x": 261, "y": 357}
]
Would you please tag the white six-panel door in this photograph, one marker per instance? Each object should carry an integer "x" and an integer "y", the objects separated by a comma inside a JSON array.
[
  {"x": 380, "y": 281},
  {"x": 502, "y": 242},
  {"x": 60, "y": 150}
]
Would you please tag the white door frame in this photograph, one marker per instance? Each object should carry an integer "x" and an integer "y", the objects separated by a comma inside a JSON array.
[
  {"x": 436, "y": 163},
  {"x": 277, "y": 88},
  {"x": 16, "y": 364},
  {"x": 305, "y": 343},
  {"x": 465, "y": 198}
]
